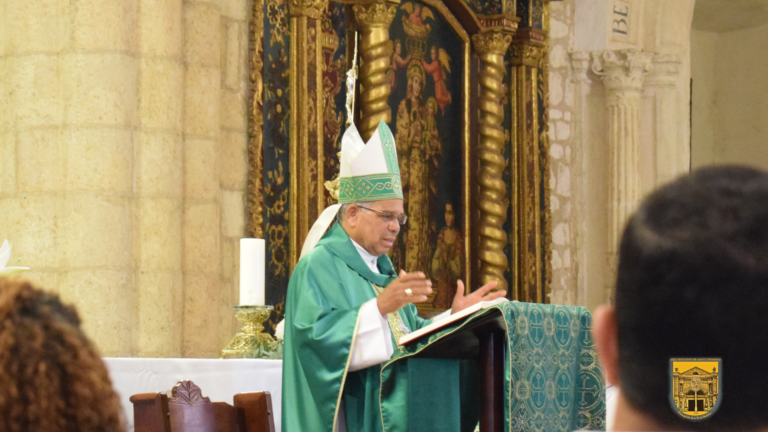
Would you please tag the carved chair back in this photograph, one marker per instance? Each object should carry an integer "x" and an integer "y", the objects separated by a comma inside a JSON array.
[{"x": 189, "y": 411}]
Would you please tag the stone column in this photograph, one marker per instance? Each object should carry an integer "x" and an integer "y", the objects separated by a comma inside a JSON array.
[
  {"x": 491, "y": 47},
  {"x": 526, "y": 159},
  {"x": 67, "y": 121},
  {"x": 306, "y": 123},
  {"x": 201, "y": 228},
  {"x": 373, "y": 21},
  {"x": 580, "y": 62},
  {"x": 667, "y": 137},
  {"x": 158, "y": 176},
  {"x": 622, "y": 73},
  {"x": 234, "y": 146}
]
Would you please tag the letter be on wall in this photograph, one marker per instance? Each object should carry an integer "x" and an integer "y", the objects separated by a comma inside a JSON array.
[{"x": 624, "y": 19}]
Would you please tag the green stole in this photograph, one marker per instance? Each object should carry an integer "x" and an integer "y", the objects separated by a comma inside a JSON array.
[{"x": 326, "y": 290}]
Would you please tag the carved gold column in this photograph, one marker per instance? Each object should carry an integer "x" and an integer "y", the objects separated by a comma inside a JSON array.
[
  {"x": 255, "y": 191},
  {"x": 622, "y": 73},
  {"x": 306, "y": 126},
  {"x": 526, "y": 165},
  {"x": 373, "y": 22},
  {"x": 491, "y": 47}
]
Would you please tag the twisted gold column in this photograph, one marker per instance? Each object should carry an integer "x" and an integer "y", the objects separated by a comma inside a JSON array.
[
  {"x": 373, "y": 21},
  {"x": 490, "y": 47}
]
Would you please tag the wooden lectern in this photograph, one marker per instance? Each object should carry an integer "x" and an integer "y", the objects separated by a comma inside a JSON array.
[{"x": 482, "y": 339}]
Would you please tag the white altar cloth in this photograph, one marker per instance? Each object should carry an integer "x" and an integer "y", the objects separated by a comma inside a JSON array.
[{"x": 219, "y": 380}]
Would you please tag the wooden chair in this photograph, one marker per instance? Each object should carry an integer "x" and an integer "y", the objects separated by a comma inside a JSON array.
[
  {"x": 257, "y": 410},
  {"x": 150, "y": 412},
  {"x": 189, "y": 411}
]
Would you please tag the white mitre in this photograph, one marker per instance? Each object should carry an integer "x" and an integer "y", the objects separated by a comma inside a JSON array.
[{"x": 367, "y": 172}]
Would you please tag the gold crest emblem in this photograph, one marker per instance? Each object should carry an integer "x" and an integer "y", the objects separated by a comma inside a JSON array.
[{"x": 695, "y": 387}]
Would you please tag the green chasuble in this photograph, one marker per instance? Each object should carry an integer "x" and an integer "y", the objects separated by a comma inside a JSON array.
[
  {"x": 551, "y": 377},
  {"x": 326, "y": 290}
]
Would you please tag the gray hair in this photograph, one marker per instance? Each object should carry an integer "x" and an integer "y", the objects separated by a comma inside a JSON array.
[{"x": 342, "y": 214}]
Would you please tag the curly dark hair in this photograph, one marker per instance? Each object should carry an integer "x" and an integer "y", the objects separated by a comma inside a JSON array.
[{"x": 52, "y": 377}]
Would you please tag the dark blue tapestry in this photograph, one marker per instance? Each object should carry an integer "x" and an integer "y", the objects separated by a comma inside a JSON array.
[{"x": 275, "y": 148}]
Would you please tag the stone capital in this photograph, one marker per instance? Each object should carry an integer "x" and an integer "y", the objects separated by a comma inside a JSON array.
[
  {"x": 622, "y": 70},
  {"x": 666, "y": 71},
  {"x": 491, "y": 42},
  {"x": 307, "y": 8},
  {"x": 580, "y": 66},
  {"x": 374, "y": 15}
]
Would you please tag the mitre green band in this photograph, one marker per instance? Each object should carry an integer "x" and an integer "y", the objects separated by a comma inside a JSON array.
[
  {"x": 388, "y": 145},
  {"x": 373, "y": 187}
]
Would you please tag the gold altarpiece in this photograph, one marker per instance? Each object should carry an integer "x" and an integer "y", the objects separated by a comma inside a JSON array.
[{"x": 461, "y": 84}]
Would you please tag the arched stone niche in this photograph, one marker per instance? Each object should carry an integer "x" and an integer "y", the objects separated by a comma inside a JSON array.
[{"x": 630, "y": 72}]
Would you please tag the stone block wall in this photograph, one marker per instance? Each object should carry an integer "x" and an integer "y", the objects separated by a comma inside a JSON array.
[
  {"x": 123, "y": 164},
  {"x": 603, "y": 161},
  {"x": 561, "y": 165}
]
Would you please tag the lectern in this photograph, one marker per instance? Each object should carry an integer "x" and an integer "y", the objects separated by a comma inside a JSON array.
[
  {"x": 482, "y": 339},
  {"x": 536, "y": 364}
]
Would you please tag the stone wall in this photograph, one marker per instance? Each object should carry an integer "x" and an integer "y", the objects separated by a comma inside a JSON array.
[
  {"x": 619, "y": 100},
  {"x": 703, "y": 86},
  {"x": 564, "y": 271},
  {"x": 122, "y": 164},
  {"x": 730, "y": 112}
]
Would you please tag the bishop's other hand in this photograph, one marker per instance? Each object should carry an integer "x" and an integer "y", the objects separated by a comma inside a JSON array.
[{"x": 461, "y": 301}]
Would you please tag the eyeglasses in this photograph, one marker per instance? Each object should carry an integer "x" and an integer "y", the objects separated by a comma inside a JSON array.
[{"x": 388, "y": 217}]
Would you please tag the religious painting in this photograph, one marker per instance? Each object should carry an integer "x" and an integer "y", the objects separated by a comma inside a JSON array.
[{"x": 426, "y": 78}]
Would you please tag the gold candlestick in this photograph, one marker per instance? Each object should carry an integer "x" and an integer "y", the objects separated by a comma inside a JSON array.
[{"x": 252, "y": 342}]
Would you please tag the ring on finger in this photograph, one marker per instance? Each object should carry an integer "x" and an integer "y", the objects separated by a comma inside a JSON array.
[{"x": 408, "y": 292}]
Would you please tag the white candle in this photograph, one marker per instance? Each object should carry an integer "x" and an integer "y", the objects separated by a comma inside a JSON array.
[{"x": 252, "y": 272}]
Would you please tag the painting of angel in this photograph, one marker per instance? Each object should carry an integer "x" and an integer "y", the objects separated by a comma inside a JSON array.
[
  {"x": 398, "y": 62},
  {"x": 417, "y": 15},
  {"x": 438, "y": 68}
]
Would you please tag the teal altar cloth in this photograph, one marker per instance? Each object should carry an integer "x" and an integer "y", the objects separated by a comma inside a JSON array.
[{"x": 552, "y": 380}]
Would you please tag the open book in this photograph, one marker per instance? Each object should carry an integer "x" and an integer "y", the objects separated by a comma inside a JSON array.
[{"x": 448, "y": 320}]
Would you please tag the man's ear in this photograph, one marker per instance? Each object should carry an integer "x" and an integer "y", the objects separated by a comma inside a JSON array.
[
  {"x": 605, "y": 331},
  {"x": 351, "y": 215}
]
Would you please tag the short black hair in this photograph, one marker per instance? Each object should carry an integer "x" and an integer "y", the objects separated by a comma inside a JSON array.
[{"x": 692, "y": 281}]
